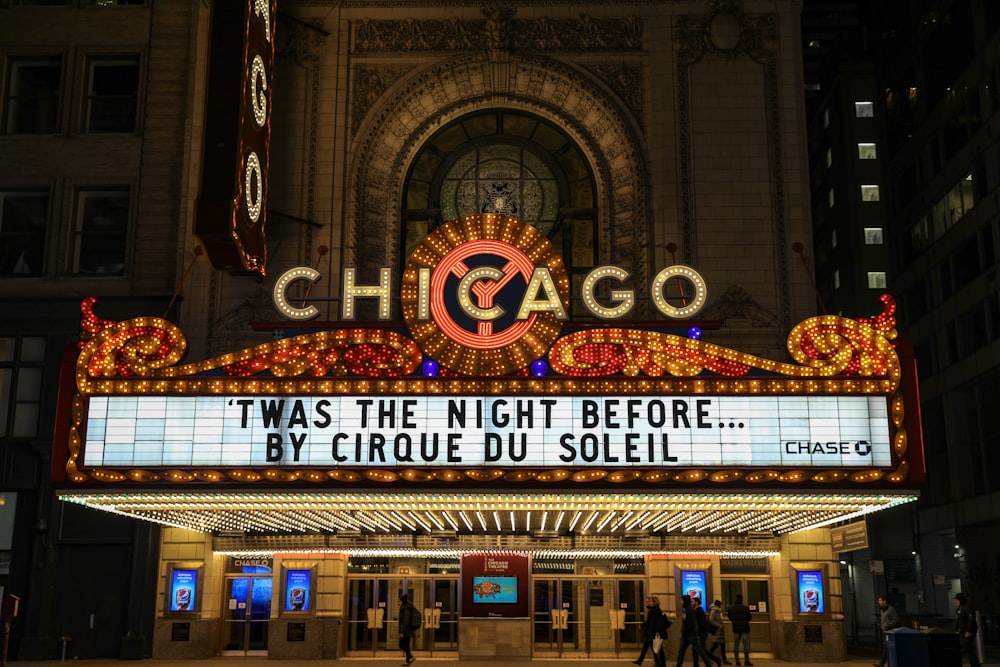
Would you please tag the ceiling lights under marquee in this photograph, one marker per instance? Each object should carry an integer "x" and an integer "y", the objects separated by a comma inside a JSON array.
[{"x": 644, "y": 522}]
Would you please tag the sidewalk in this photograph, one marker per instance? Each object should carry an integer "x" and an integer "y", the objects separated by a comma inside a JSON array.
[{"x": 420, "y": 662}]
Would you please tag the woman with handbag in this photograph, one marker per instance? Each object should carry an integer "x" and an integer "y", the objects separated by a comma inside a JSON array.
[
  {"x": 654, "y": 632},
  {"x": 719, "y": 631}
]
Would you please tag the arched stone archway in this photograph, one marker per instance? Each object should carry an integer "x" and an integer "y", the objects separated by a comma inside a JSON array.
[{"x": 421, "y": 103}]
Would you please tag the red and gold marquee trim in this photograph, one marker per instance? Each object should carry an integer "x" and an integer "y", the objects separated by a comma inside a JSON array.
[{"x": 834, "y": 355}]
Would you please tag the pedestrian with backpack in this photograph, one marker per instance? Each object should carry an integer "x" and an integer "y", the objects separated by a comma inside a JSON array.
[{"x": 409, "y": 623}]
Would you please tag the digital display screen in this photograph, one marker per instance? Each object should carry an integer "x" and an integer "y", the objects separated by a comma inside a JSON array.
[
  {"x": 298, "y": 586},
  {"x": 494, "y": 590},
  {"x": 557, "y": 431},
  {"x": 811, "y": 598},
  {"x": 183, "y": 588},
  {"x": 693, "y": 585}
]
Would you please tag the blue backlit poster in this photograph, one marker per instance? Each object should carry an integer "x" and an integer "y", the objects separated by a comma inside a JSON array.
[
  {"x": 811, "y": 592},
  {"x": 183, "y": 588},
  {"x": 298, "y": 586},
  {"x": 495, "y": 590},
  {"x": 693, "y": 585}
]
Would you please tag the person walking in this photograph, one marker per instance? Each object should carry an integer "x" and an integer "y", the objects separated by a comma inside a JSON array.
[
  {"x": 966, "y": 627},
  {"x": 655, "y": 623},
  {"x": 409, "y": 623},
  {"x": 719, "y": 637},
  {"x": 689, "y": 635},
  {"x": 702, "y": 620},
  {"x": 887, "y": 621},
  {"x": 739, "y": 615}
]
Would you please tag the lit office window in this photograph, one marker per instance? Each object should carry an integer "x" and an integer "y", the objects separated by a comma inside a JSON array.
[
  {"x": 32, "y": 104},
  {"x": 112, "y": 94},
  {"x": 873, "y": 236},
  {"x": 826, "y": 118},
  {"x": 21, "y": 366},
  {"x": 867, "y": 152},
  {"x": 833, "y": 238},
  {"x": 876, "y": 280},
  {"x": 864, "y": 109},
  {"x": 24, "y": 219},
  {"x": 869, "y": 193},
  {"x": 829, "y": 157},
  {"x": 101, "y": 232},
  {"x": 836, "y": 279},
  {"x": 830, "y": 198}
]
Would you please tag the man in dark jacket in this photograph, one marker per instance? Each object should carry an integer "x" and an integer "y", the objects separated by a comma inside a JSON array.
[
  {"x": 407, "y": 627},
  {"x": 889, "y": 620},
  {"x": 739, "y": 616},
  {"x": 689, "y": 635},
  {"x": 966, "y": 627}
]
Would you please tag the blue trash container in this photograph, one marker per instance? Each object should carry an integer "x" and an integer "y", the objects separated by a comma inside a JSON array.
[{"x": 907, "y": 647}]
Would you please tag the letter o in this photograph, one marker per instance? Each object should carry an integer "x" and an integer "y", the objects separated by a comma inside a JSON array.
[
  {"x": 684, "y": 272},
  {"x": 253, "y": 196}
]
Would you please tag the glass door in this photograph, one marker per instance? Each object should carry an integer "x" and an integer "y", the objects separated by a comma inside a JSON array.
[
  {"x": 442, "y": 603},
  {"x": 366, "y": 611},
  {"x": 555, "y": 628},
  {"x": 247, "y": 614},
  {"x": 755, "y": 594},
  {"x": 632, "y": 601}
]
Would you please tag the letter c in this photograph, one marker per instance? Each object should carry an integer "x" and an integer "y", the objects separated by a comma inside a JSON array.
[{"x": 281, "y": 286}]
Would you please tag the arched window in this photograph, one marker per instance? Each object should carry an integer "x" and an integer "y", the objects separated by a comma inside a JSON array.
[{"x": 509, "y": 162}]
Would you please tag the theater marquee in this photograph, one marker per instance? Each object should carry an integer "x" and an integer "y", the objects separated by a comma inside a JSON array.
[{"x": 436, "y": 400}]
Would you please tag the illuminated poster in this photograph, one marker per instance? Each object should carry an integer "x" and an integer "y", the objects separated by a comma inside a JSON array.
[
  {"x": 183, "y": 588},
  {"x": 298, "y": 586},
  {"x": 693, "y": 585},
  {"x": 811, "y": 592},
  {"x": 495, "y": 590}
]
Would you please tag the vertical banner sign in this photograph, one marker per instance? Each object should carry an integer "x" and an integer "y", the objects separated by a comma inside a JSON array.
[
  {"x": 811, "y": 594},
  {"x": 298, "y": 589},
  {"x": 693, "y": 585},
  {"x": 183, "y": 589},
  {"x": 233, "y": 200}
]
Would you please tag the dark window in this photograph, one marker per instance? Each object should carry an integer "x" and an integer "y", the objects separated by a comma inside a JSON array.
[
  {"x": 101, "y": 232},
  {"x": 112, "y": 94},
  {"x": 21, "y": 372},
  {"x": 966, "y": 263},
  {"x": 23, "y": 222},
  {"x": 972, "y": 328},
  {"x": 33, "y": 96}
]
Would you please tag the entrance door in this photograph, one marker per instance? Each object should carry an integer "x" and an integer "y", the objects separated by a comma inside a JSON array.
[
  {"x": 247, "y": 613},
  {"x": 579, "y": 617},
  {"x": 373, "y": 614},
  {"x": 755, "y": 594},
  {"x": 442, "y": 599},
  {"x": 368, "y": 614},
  {"x": 553, "y": 610},
  {"x": 631, "y": 600}
]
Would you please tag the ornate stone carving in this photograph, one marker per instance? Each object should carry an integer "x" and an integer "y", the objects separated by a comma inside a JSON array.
[
  {"x": 737, "y": 303},
  {"x": 457, "y": 86},
  {"x": 726, "y": 31},
  {"x": 369, "y": 84},
  {"x": 626, "y": 82},
  {"x": 304, "y": 42},
  {"x": 499, "y": 31}
]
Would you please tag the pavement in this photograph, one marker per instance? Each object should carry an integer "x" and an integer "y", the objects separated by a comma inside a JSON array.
[{"x": 853, "y": 661}]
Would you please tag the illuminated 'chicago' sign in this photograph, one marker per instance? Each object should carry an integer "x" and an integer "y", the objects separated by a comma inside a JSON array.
[{"x": 232, "y": 204}]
